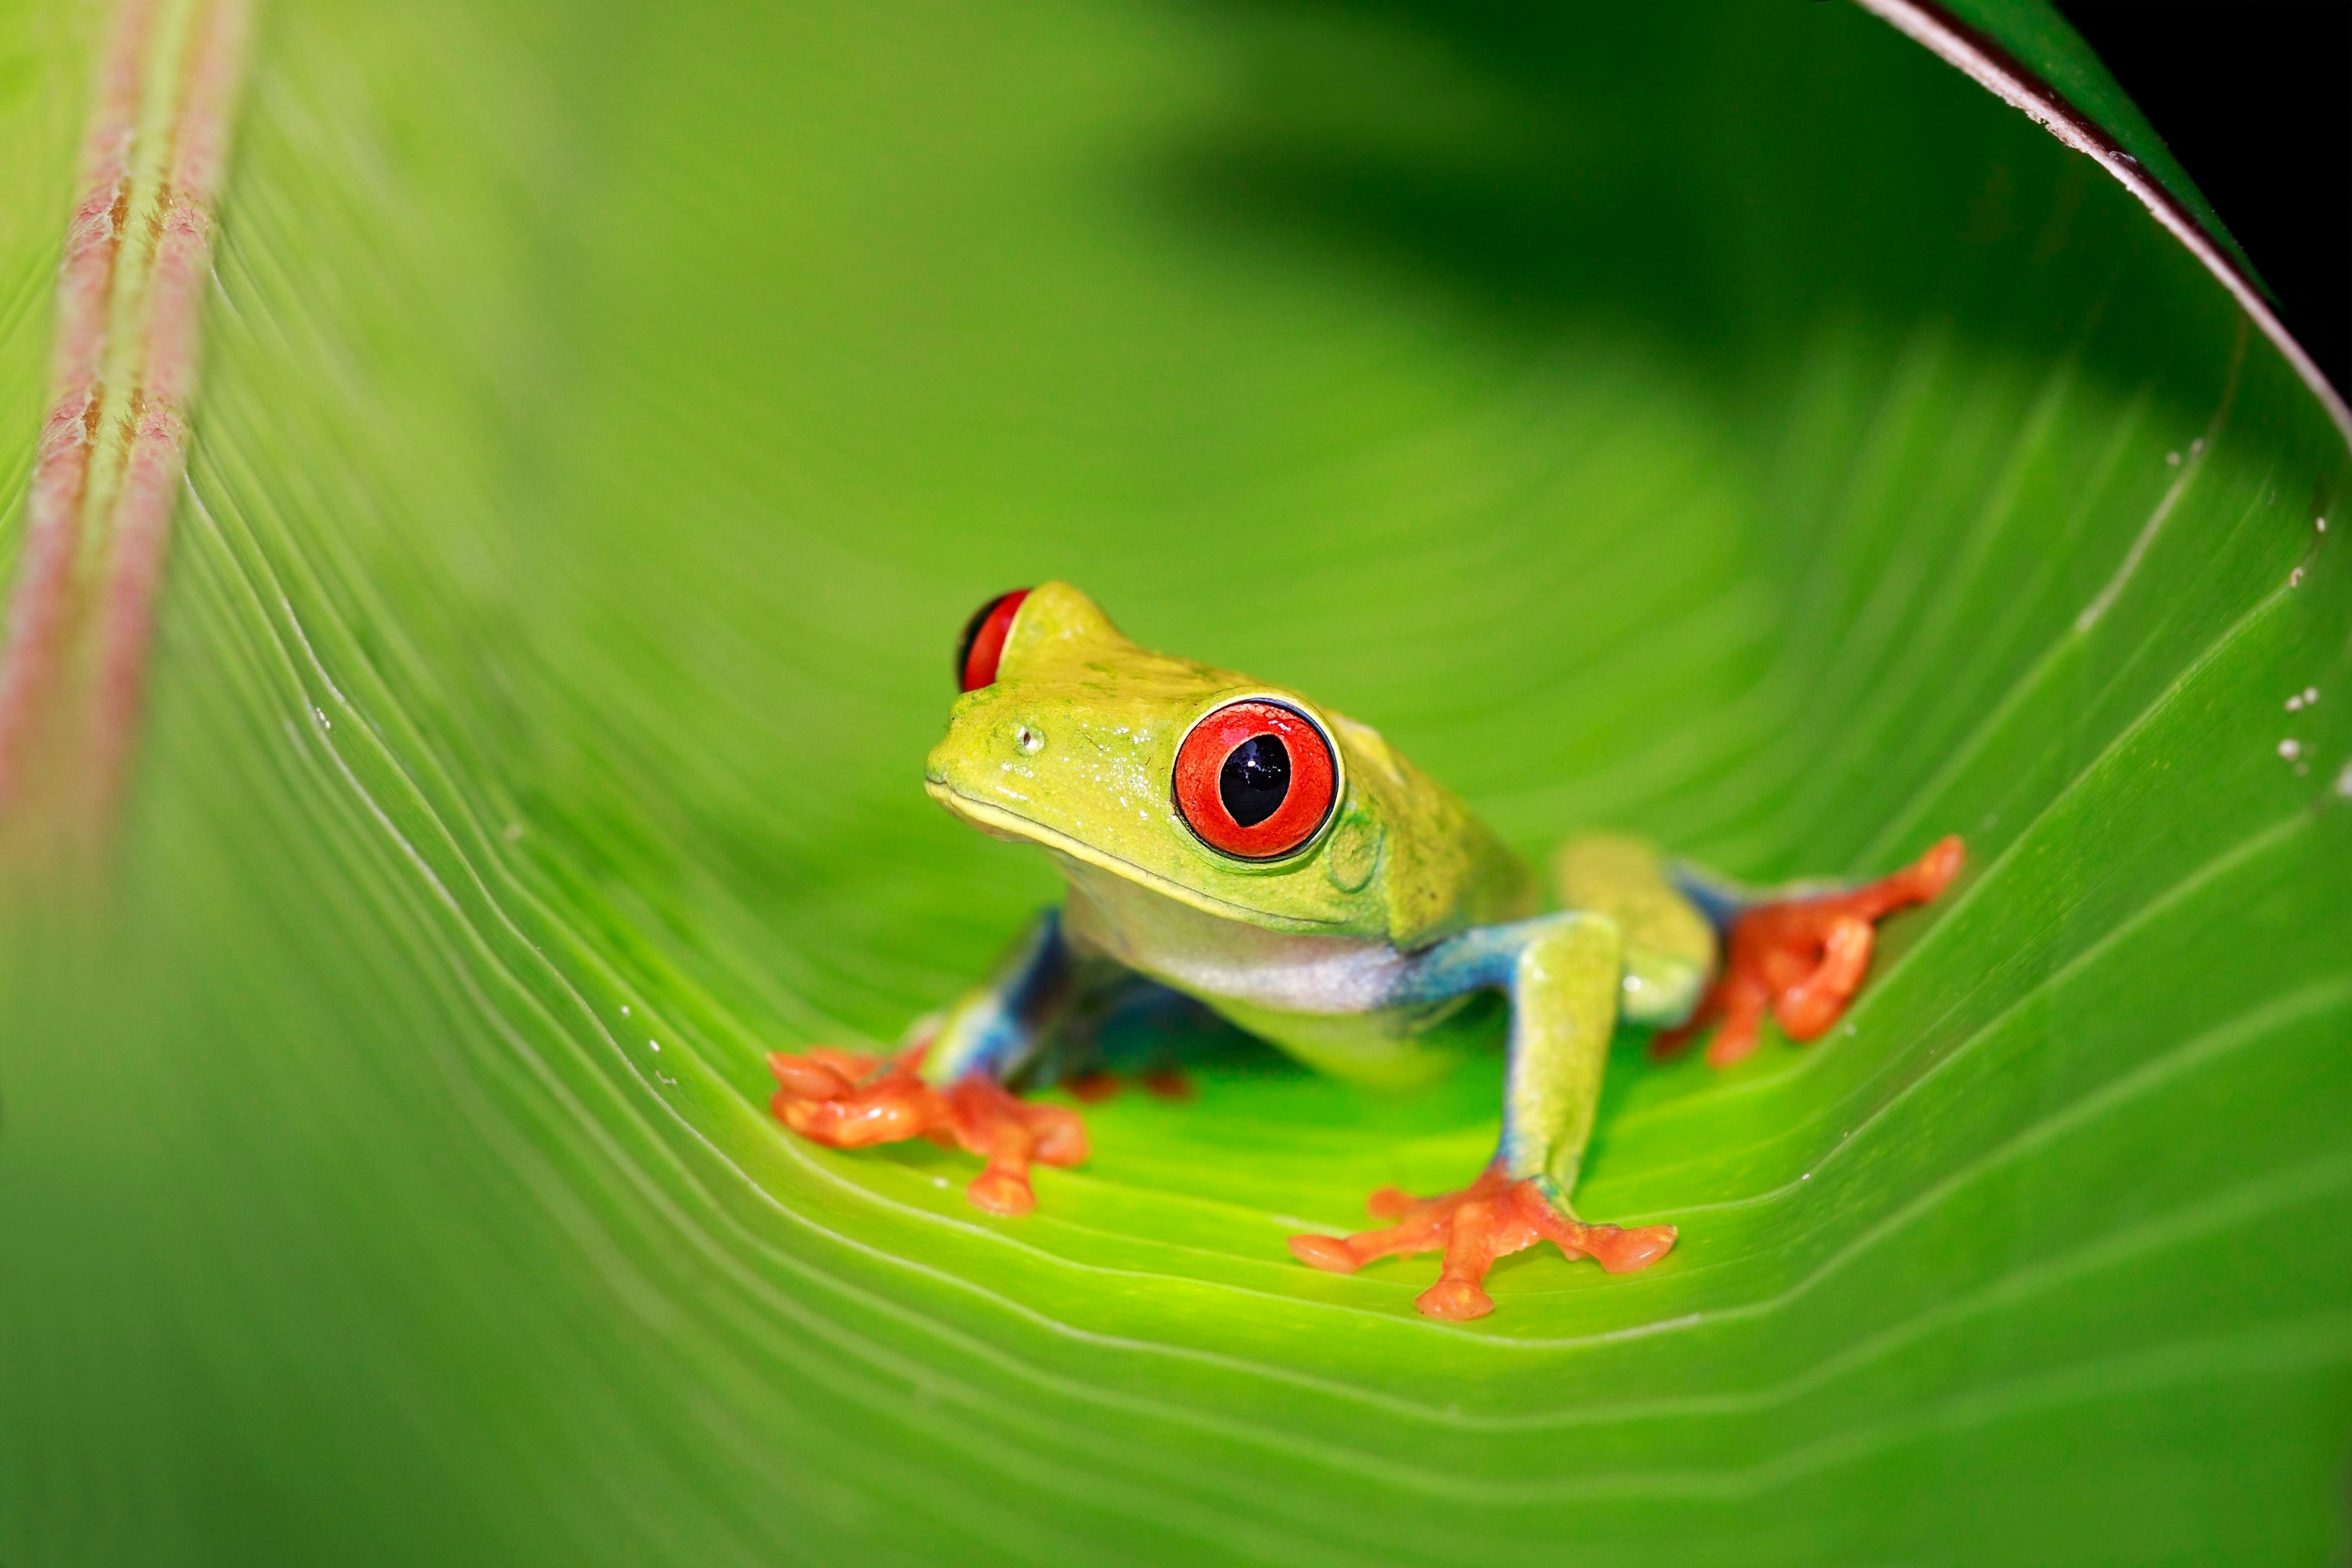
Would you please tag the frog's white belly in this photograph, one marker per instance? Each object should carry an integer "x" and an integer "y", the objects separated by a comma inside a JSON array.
[{"x": 1326, "y": 1000}]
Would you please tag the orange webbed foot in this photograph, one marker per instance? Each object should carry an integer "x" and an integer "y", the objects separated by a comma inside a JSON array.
[
  {"x": 990, "y": 1120},
  {"x": 1803, "y": 960},
  {"x": 1492, "y": 1217},
  {"x": 848, "y": 1100}
]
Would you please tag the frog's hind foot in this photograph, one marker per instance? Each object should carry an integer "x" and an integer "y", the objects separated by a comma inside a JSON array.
[
  {"x": 849, "y": 1100},
  {"x": 1803, "y": 960},
  {"x": 1492, "y": 1217}
]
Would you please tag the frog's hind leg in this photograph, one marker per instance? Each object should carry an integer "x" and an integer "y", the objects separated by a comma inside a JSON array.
[
  {"x": 1670, "y": 939},
  {"x": 1136, "y": 1033},
  {"x": 1800, "y": 954},
  {"x": 1564, "y": 974},
  {"x": 950, "y": 1084}
]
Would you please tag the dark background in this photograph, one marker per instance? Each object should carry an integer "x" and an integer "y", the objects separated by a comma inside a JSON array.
[{"x": 2251, "y": 95}]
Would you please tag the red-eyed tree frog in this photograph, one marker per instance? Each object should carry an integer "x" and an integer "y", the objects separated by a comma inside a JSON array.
[{"x": 1239, "y": 844}]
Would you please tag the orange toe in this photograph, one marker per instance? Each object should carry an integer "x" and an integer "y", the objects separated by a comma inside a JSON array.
[
  {"x": 1325, "y": 1252},
  {"x": 1731, "y": 1046},
  {"x": 851, "y": 1064},
  {"x": 1622, "y": 1251},
  {"x": 1742, "y": 1007},
  {"x": 1925, "y": 880},
  {"x": 1002, "y": 1193},
  {"x": 803, "y": 1079},
  {"x": 1455, "y": 1298},
  {"x": 1061, "y": 1136},
  {"x": 1808, "y": 1008}
]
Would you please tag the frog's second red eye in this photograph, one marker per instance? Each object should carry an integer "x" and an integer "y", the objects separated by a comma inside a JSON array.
[
  {"x": 984, "y": 640},
  {"x": 1255, "y": 780}
]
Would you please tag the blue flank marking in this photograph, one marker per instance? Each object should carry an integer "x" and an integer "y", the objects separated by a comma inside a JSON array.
[
  {"x": 1723, "y": 901},
  {"x": 1719, "y": 899}
]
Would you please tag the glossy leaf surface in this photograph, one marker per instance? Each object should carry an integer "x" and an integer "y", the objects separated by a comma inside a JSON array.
[{"x": 1738, "y": 426}]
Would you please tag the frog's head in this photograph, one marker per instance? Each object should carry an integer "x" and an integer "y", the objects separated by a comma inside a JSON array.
[{"x": 1237, "y": 797}]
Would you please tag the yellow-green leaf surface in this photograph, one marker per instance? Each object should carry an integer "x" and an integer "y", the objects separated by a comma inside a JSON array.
[{"x": 1732, "y": 424}]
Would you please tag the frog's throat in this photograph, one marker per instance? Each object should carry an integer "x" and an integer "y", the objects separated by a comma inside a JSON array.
[{"x": 985, "y": 814}]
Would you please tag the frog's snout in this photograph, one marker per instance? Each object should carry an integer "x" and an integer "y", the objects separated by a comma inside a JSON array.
[{"x": 986, "y": 754}]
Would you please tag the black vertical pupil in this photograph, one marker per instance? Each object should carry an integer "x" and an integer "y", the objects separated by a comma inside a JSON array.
[{"x": 1254, "y": 779}]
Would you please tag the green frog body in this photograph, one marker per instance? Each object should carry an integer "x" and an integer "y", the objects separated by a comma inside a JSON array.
[{"x": 1281, "y": 864}]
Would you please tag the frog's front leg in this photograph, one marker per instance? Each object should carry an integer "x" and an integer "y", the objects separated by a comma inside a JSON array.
[
  {"x": 950, "y": 1086},
  {"x": 1565, "y": 974}
]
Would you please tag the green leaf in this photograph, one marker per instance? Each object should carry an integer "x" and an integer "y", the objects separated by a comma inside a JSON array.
[{"x": 1737, "y": 426}]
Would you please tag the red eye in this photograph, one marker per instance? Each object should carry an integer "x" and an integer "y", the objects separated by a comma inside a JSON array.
[
  {"x": 984, "y": 640},
  {"x": 1255, "y": 780}
]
